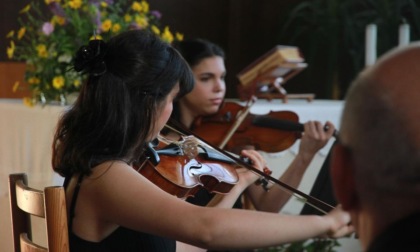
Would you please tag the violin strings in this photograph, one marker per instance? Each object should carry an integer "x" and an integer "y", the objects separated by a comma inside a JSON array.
[{"x": 312, "y": 201}]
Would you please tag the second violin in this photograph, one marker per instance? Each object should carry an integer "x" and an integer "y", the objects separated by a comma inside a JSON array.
[{"x": 273, "y": 132}]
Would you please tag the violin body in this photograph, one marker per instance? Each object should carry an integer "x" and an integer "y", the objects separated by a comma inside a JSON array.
[
  {"x": 266, "y": 137},
  {"x": 183, "y": 176}
]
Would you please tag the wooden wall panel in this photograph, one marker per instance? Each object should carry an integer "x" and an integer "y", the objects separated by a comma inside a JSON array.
[
  {"x": 244, "y": 28},
  {"x": 11, "y": 72}
]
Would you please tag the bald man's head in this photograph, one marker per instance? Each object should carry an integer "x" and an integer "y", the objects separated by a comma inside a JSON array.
[
  {"x": 381, "y": 125},
  {"x": 375, "y": 166}
]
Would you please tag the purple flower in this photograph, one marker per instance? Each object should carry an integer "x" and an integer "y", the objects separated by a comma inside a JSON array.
[
  {"x": 156, "y": 13},
  {"x": 134, "y": 26},
  {"x": 47, "y": 28},
  {"x": 97, "y": 2},
  {"x": 96, "y": 19},
  {"x": 56, "y": 9}
]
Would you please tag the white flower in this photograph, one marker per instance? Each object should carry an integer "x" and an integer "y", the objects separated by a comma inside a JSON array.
[{"x": 64, "y": 58}]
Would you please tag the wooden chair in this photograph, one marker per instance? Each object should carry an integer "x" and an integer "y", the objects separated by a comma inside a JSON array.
[{"x": 49, "y": 204}]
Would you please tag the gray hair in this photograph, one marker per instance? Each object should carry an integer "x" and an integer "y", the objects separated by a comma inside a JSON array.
[{"x": 386, "y": 159}]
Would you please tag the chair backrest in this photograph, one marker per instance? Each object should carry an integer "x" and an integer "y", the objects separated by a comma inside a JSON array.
[{"x": 49, "y": 204}]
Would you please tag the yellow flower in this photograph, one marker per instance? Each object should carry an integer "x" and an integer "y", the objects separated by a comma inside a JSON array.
[
  {"x": 116, "y": 28},
  {"x": 77, "y": 83},
  {"x": 106, "y": 25},
  {"x": 145, "y": 6},
  {"x": 155, "y": 29},
  {"x": 96, "y": 37},
  {"x": 58, "y": 20},
  {"x": 27, "y": 101},
  {"x": 167, "y": 35},
  {"x": 34, "y": 81},
  {"x": 42, "y": 51},
  {"x": 11, "y": 50},
  {"x": 127, "y": 18},
  {"x": 46, "y": 56},
  {"x": 75, "y": 4},
  {"x": 136, "y": 6},
  {"x": 179, "y": 36},
  {"x": 15, "y": 86},
  {"x": 25, "y": 9},
  {"x": 58, "y": 82},
  {"x": 21, "y": 33},
  {"x": 10, "y": 34},
  {"x": 61, "y": 20},
  {"x": 141, "y": 21},
  {"x": 51, "y": 1}
]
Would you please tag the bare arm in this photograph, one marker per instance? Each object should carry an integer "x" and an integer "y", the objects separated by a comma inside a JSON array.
[
  {"x": 116, "y": 195},
  {"x": 313, "y": 139}
]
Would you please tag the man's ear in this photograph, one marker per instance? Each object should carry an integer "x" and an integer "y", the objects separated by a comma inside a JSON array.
[{"x": 342, "y": 177}]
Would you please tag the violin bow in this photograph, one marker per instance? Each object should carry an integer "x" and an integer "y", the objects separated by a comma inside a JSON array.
[
  {"x": 312, "y": 201},
  {"x": 238, "y": 121}
]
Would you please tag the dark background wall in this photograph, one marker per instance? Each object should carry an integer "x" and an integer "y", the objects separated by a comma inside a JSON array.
[
  {"x": 244, "y": 28},
  {"x": 330, "y": 34}
]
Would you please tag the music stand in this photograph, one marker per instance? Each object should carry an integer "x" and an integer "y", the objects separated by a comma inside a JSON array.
[{"x": 265, "y": 77}]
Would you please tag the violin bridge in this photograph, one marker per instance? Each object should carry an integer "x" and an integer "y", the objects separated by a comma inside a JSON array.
[{"x": 189, "y": 146}]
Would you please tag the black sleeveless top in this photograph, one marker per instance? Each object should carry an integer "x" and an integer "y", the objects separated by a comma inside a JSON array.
[{"x": 122, "y": 239}]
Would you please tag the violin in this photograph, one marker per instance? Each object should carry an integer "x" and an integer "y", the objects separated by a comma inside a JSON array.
[
  {"x": 182, "y": 168},
  {"x": 210, "y": 179},
  {"x": 273, "y": 132},
  {"x": 234, "y": 126}
]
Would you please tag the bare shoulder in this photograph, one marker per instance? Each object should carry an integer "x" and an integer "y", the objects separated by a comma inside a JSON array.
[
  {"x": 113, "y": 176},
  {"x": 118, "y": 184},
  {"x": 116, "y": 188}
]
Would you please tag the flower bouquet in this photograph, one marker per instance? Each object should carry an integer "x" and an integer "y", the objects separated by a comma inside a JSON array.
[{"x": 51, "y": 31}]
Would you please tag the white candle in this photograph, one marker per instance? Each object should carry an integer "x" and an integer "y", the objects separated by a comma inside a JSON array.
[
  {"x": 404, "y": 35},
  {"x": 370, "y": 54}
]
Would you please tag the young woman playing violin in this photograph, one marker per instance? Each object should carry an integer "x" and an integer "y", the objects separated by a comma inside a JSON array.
[
  {"x": 206, "y": 60},
  {"x": 132, "y": 81}
]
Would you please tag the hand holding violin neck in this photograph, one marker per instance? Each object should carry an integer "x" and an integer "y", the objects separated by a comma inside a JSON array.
[{"x": 286, "y": 125}]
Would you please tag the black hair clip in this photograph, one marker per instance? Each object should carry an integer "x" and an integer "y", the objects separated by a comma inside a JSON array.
[{"x": 90, "y": 58}]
